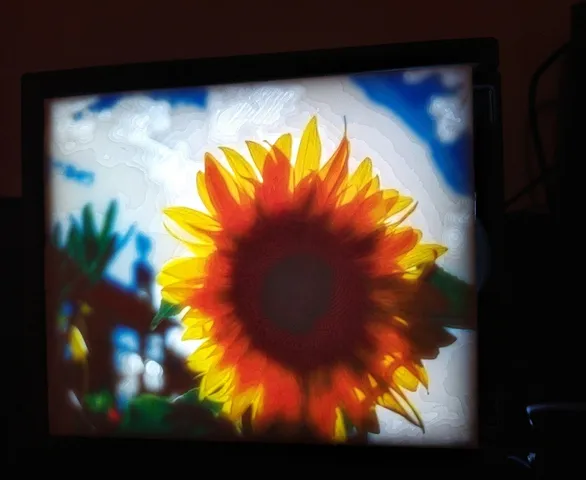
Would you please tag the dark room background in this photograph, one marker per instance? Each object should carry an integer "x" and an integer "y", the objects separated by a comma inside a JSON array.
[{"x": 66, "y": 34}]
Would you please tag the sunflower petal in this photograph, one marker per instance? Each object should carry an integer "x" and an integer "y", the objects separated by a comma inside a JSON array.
[
  {"x": 283, "y": 144},
  {"x": 399, "y": 204},
  {"x": 181, "y": 268},
  {"x": 197, "y": 224},
  {"x": 258, "y": 153},
  {"x": 420, "y": 255},
  {"x": 309, "y": 153},
  {"x": 339, "y": 427},
  {"x": 276, "y": 175},
  {"x": 180, "y": 292},
  {"x": 282, "y": 397},
  {"x": 404, "y": 378},
  {"x": 373, "y": 185},
  {"x": 214, "y": 380},
  {"x": 242, "y": 402},
  {"x": 203, "y": 192},
  {"x": 388, "y": 401},
  {"x": 211, "y": 161},
  {"x": 362, "y": 175},
  {"x": 241, "y": 168},
  {"x": 197, "y": 332},
  {"x": 335, "y": 171},
  {"x": 223, "y": 193},
  {"x": 204, "y": 357}
]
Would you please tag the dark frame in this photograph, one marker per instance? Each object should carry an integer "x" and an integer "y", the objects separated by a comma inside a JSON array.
[{"x": 37, "y": 87}]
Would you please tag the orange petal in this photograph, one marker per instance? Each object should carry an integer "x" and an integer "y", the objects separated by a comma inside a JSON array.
[
  {"x": 276, "y": 175},
  {"x": 282, "y": 397},
  {"x": 352, "y": 395},
  {"x": 321, "y": 408},
  {"x": 335, "y": 171},
  {"x": 251, "y": 368},
  {"x": 223, "y": 193}
]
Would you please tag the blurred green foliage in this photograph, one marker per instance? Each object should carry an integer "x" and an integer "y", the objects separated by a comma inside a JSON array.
[
  {"x": 100, "y": 402},
  {"x": 459, "y": 295},
  {"x": 183, "y": 416},
  {"x": 89, "y": 247}
]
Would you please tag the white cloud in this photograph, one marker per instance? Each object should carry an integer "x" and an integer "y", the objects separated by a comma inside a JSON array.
[
  {"x": 451, "y": 117},
  {"x": 450, "y": 112}
]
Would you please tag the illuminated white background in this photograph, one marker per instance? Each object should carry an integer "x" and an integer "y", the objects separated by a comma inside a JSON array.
[{"x": 146, "y": 153}]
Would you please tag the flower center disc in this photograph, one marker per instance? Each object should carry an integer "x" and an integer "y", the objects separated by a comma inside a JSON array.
[{"x": 297, "y": 292}]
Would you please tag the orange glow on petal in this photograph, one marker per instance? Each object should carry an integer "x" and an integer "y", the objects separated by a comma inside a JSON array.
[
  {"x": 281, "y": 399},
  {"x": 335, "y": 171}
]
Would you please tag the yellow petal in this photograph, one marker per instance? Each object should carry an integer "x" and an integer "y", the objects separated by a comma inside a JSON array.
[
  {"x": 79, "y": 350},
  {"x": 198, "y": 332},
  {"x": 283, "y": 144},
  {"x": 201, "y": 246},
  {"x": 197, "y": 224},
  {"x": 389, "y": 402},
  {"x": 241, "y": 168},
  {"x": 374, "y": 186},
  {"x": 414, "y": 417},
  {"x": 205, "y": 356},
  {"x": 242, "y": 402},
  {"x": 401, "y": 204},
  {"x": 340, "y": 427},
  {"x": 363, "y": 174},
  {"x": 359, "y": 394},
  {"x": 179, "y": 293},
  {"x": 202, "y": 191},
  {"x": 194, "y": 317},
  {"x": 214, "y": 380},
  {"x": 403, "y": 217},
  {"x": 309, "y": 154},
  {"x": 349, "y": 193},
  {"x": 224, "y": 393},
  {"x": 258, "y": 153},
  {"x": 420, "y": 255},
  {"x": 181, "y": 268},
  {"x": 421, "y": 373},
  {"x": 404, "y": 378}
]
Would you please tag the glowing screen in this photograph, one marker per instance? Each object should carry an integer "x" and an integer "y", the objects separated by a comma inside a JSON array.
[{"x": 282, "y": 261}]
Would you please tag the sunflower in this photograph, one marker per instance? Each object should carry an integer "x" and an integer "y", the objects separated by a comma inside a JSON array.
[{"x": 307, "y": 290}]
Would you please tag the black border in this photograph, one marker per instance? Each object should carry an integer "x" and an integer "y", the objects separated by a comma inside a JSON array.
[{"x": 482, "y": 53}]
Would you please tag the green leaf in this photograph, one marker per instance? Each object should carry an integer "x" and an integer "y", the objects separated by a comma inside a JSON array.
[
  {"x": 108, "y": 224},
  {"x": 166, "y": 310},
  {"x": 88, "y": 223},
  {"x": 147, "y": 414},
  {"x": 100, "y": 402},
  {"x": 460, "y": 296},
  {"x": 75, "y": 245},
  {"x": 191, "y": 397}
]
